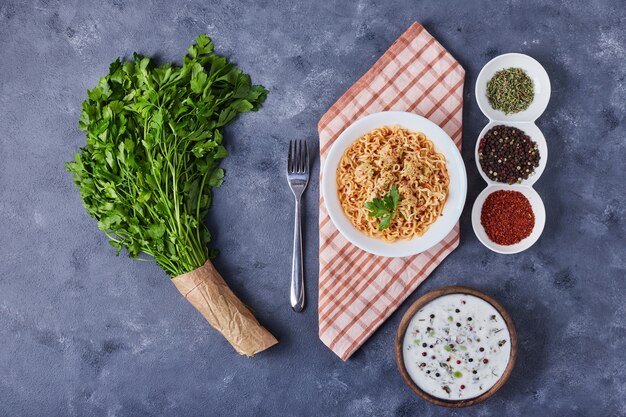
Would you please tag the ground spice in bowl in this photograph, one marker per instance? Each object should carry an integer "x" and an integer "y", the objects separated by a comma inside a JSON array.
[
  {"x": 510, "y": 90},
  {"x": 507, "y": 217},
  {"x": 507, "y": 154}
]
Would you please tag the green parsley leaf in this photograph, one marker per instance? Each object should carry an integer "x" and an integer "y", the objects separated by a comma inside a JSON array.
[
  {"x": 377, "y": 208},
  {"x": 385, "y": 222},
  {"x": 395, "y": 196}
]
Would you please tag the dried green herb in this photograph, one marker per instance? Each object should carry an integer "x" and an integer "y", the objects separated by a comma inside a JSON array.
[{"x": 510, "y": 90}]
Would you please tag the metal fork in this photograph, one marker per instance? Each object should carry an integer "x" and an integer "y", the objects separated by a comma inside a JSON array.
[{"x": 298, "y": 177}]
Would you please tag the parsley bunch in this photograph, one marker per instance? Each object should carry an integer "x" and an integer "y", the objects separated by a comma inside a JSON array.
[
  {"x": 385, "y": 207},
  {"x": 154, "y": 140}
]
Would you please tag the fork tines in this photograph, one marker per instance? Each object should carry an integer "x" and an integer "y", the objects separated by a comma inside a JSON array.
[{"x": 298, "y": 158}]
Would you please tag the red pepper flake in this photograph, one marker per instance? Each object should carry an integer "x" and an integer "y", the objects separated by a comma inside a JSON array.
[
  {"x": 485, "y": 360},
  {"x": 458, "y": 361},
  {"x": 424, "y": 353},
  {"x": 507, "y": 217},
  {"x": 462, "y": 386}
]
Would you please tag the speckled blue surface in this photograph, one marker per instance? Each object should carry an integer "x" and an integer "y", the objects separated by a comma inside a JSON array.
[{"x": 86, "y": 333}]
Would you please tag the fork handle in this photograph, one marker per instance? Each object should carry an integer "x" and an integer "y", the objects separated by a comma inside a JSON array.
[{"x": 297, "y": 274}]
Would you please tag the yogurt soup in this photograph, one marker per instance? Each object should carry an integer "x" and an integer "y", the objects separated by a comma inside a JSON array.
[{"x": 456, "y": 347}]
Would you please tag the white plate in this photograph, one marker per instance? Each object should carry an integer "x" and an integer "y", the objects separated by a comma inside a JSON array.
[
  {"x": 535, "y": 135},
  {"x": 456, "y": 196},
  {"x": 535, "y": 71},
  {"x": 538, "y": 209}
]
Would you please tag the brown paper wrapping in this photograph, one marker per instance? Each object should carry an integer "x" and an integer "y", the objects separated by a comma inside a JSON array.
[{"x": 206, "y": 290}]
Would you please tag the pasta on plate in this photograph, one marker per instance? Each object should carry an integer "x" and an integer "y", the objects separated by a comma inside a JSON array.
[{"x": 386, "y": 157}]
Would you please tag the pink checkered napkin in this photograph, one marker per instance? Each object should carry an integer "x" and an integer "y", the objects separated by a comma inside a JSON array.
[{"x": 358, "y": 290}]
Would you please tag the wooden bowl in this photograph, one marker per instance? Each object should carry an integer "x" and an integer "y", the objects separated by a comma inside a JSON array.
[{"x": 404, "y": 324}]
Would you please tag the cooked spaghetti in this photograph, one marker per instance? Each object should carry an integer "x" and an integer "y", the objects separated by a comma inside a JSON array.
[{"x": 390, "y": 156}]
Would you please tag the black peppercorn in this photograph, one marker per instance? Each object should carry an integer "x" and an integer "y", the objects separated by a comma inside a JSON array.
[
  {"x": 458, "y": 325},
  {"x": 510, "y": 159}
]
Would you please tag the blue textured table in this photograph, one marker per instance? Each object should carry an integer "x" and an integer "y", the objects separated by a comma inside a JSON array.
[{"x": 84, "y": 332}]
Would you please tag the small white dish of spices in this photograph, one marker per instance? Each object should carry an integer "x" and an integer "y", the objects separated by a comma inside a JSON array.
[
  {"x": 511, "y": 153},
  {"x": 508, "y": 219},
  {"x": 513, "y": 88}
]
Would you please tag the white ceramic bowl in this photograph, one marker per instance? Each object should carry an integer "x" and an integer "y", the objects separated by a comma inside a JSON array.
[
  {"x": 535, "y": 71},
  {"x": 538, "y": 209},
  {"x": 536, "y": 136},
  {"x": 456, "y": 196}
]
